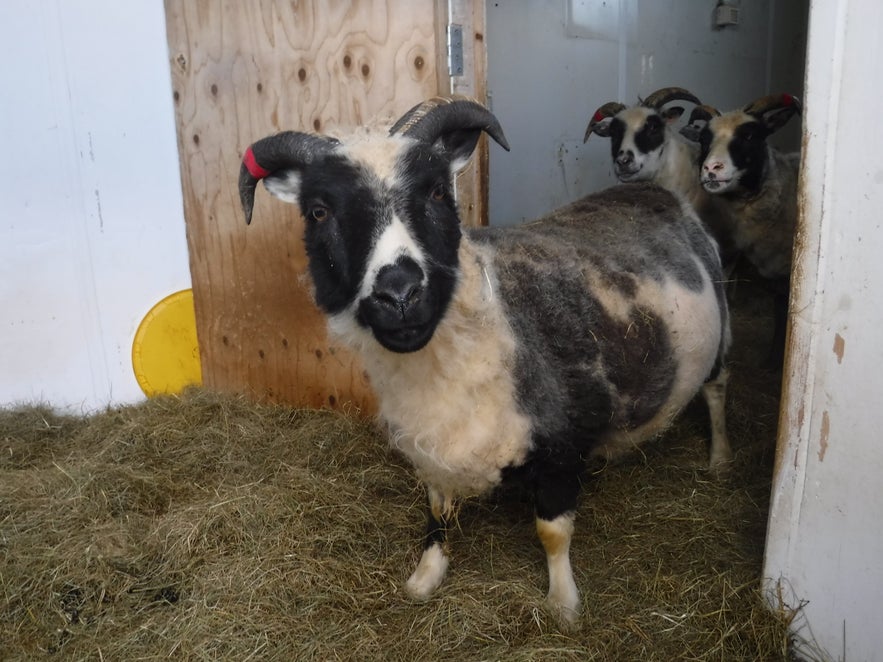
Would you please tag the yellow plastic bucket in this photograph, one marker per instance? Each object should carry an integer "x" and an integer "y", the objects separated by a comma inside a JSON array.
[{"x": 165, "y": 352}]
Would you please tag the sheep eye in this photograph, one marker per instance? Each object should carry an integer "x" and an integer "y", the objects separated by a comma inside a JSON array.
[
  {"x": 438, "y": 193},
  {"x": 752, "y": 133},
  {"x": 654, "y": 124},
  {"x": 318, "y": 213}
]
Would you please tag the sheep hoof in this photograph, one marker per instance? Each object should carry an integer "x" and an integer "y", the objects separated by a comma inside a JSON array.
[
  {"x": 567, "y": 617},
  {"x": 721, "y": 461},
  {"x": 429, "y": 574},
  {"x": 565, "y": 607}
]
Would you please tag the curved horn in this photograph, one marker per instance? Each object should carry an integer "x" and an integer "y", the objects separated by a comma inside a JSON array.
[
  {"x": 703, "y": 112},
  {"x": 759, "y": 107},
  {"x": 664, "y": 95},
  {"x": 609, "y": 109},
  {"x": 440, "y": 117},
  {"x": 283, "y": 151}
]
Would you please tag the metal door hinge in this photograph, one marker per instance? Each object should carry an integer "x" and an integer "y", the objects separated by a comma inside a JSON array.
[{"x": 455, "y": 49}]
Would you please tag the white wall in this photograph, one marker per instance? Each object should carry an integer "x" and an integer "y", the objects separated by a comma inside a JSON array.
[
  {"x": 91, "y": 217},
  {"x": 547, "y": 75},
  {"x": 825, "y": 542}
]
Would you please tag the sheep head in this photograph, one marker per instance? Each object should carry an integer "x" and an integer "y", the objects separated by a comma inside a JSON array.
[
  {"x": 381, "y": 225},
  {"x": 638, "y": 133},
  {"x": 733, "y": 148}
]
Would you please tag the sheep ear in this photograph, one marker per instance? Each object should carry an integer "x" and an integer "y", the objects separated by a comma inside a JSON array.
[
  {"x": 452, "y": 124},
  {"x": 700, "y": 116},
  {"x": 776, "y": 119},
  {"x": 285, "y": 185},
  {"x": 600, "y": 128},
  {"x": 460, "y": 145},
  {"x": 691, "y": 132},
  {"x": 774, "y": 110},
  {"x": 672, "y": 114},
  {"x": 599, "y": 124}
]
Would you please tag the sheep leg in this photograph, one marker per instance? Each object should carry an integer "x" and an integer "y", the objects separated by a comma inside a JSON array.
[
  {"x": 556, "y": 505},
  {"x": 715, "y": 393},
  {"x": 434, "y": 562}
]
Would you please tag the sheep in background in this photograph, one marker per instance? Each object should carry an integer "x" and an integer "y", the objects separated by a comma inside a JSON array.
[
  {"x": 502, "y": 353},
  {"x": 758, "y": 185},
  {"x": 644, "y": 148}
]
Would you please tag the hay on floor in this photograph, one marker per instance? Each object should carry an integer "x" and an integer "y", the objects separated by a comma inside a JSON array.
[{"x": 209, "y": 527}]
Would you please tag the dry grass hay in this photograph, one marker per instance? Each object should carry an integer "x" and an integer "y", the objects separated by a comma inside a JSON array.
[{"x": 208, "y": 527}]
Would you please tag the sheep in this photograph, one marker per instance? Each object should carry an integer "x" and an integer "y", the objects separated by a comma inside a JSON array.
[
  {"x": 502, "y": 354},
  {"x": 644, "y": 147},
  {"x": 758, "y": 184}
]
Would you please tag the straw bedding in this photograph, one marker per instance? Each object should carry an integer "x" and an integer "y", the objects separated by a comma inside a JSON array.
[{"x": 206, "y": 526}]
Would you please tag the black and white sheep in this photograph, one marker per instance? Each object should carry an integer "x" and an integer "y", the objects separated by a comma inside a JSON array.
[
  {"x": 645, "y": 148},
  {"x": 758, "y": 185},
  {"x": 502, "y": 353}
]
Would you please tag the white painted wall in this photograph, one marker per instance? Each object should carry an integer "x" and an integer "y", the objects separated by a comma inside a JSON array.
[
  {"x": 91, "y": 217},
  {"x": 825, "y": 542},
  {"x": 547, "y": 73}
]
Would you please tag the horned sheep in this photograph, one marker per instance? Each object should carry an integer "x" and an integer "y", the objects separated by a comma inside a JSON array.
[
  {"x": 758, "y": 185},
  {"x": 645, "y": 148},
  {"x": 502, "y": 354}
]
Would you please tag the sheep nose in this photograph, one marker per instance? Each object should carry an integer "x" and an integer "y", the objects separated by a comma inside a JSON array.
[
  {"x": 399, "y": 286},
  {"x": 713, "y": 167},
  {"x": 625, "y": 158}
]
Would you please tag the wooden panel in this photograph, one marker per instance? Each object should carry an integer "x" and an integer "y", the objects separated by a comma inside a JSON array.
[{"x": 240, "y": 71}]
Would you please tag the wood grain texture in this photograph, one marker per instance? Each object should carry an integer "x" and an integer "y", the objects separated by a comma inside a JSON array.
[{"x": 243, "y": 70}]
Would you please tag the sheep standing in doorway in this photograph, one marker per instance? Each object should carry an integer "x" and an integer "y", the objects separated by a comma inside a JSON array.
[{"x": 502, "y": 353}]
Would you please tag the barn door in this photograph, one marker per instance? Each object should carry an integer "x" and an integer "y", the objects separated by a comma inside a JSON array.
[{"x": 243, "y": 70}]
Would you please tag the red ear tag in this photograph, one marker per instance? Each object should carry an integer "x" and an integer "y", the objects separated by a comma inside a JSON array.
[
  {"x": 598, "y": 116},
  {"x": 252, "y": 166}
]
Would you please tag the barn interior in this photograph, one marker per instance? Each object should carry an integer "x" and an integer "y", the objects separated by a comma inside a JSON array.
[{"x": 261, "y": 514}]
